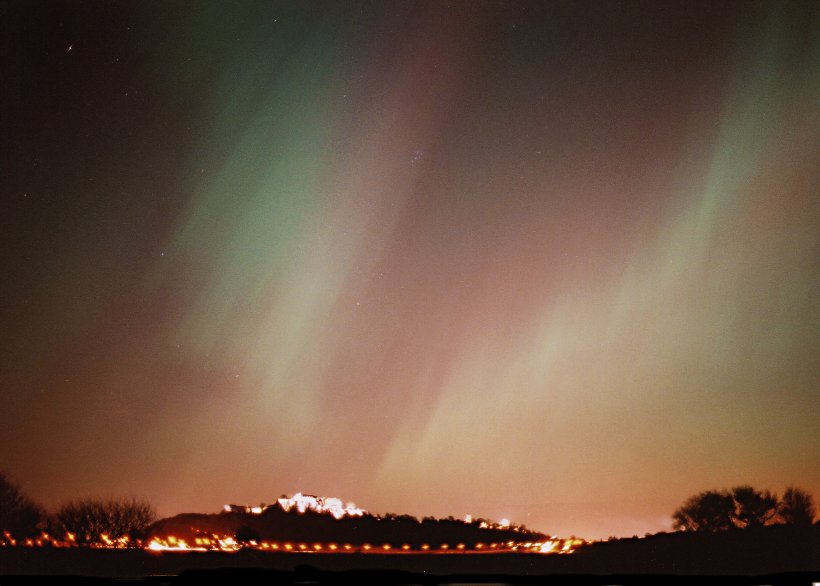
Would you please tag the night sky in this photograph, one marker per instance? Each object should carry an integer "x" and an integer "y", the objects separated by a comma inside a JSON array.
[{"x": 554, "y": 261}]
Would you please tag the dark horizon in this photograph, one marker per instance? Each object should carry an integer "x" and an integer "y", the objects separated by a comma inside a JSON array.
[
  {"x": 554, "y": 262},
  {"x": 738, "y": 532}
]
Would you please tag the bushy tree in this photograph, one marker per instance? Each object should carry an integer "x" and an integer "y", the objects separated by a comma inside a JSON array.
[
  {"x": 743, "y": 507},
  {"x": 89, "y": 519},
  {"x": 753, "y": 508},
  {"x": 797, "y": 507},
  {"x": 19, "y": 515},
  {"x": 710, "y": 510}
]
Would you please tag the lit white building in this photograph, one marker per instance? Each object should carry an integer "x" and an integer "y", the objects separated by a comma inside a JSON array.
[
  {"x": 302, "y": 503},
  {"x": 245, "y": 509},
  {"x": 317, "y": 504}
]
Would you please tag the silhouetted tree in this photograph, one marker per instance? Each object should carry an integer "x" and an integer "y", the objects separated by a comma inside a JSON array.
[
  {"x": 247, "y": 534},
  {"x": 19, "y": 515},
  {"x": 407, "y": 518},
  {"x": 88, "y": 520},
  {"x": 741, "y": 507},
  {"x": 711, "y": 510},
  {"x": 797, "y": 507},
  {"x": 753, "y": 508}
]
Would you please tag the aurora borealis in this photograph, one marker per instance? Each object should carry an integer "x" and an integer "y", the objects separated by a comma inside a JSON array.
[{"x": 549, "y": 261}]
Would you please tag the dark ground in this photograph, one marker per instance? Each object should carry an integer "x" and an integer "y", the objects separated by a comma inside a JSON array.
[{"x": 771, "y": 556}]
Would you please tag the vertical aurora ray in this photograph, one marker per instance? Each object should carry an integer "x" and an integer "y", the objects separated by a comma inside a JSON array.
[
  {"x": 307, "y": 218},
  {"x": 251, "y": 283},
  {"x": 692, "y": 363},
  {"x": 287, "y": 232},
  {"x": 554, "y": 262}
]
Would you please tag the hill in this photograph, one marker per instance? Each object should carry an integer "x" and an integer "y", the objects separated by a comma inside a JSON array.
[
  {"x": 762, "y": 550},
  {"x": 279, "y": 526}
]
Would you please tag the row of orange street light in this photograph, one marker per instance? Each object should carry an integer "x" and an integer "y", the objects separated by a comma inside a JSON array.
[
  {"x": 70, "y": 540},
  {"x": 229, "y": 544}
]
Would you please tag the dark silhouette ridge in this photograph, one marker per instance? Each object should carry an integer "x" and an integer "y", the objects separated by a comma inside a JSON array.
[
  {"x": 757, "y": 550},
  {"x": 277, "y": 525},
  {"x": 776, "y": 554}
]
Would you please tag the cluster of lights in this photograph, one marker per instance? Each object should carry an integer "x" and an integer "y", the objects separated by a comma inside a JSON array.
[
  {"x": 551, "y": 546},
  {"x": 213, "y": 543},
  {"x": 504, "y": 524},
  {"x": 227, "y": 544},
  {"x": 107, "y": 542},
  {"x": 8, "y": 540},
  {"x": 303, "y": 503},
  {"x": 104, "y": 541},
  {"x": 317, "y": 504}
]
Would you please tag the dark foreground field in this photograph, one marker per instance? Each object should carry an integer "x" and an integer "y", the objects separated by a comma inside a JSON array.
[{"x": 743, "y": 557}]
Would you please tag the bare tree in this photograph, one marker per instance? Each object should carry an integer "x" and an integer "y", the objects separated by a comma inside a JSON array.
[
  {"x": 797, "y": 507},
  {"x": 19, "y": 515},
  {"x": 93, "y": 520}
]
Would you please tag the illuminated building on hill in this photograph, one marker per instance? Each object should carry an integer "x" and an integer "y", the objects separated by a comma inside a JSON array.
[{"x": 302, "y": 503}]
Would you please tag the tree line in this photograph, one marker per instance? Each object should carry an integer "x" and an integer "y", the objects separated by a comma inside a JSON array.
[
  {"x": 82, "y": 521},
  {"x": 126, "y": 520},
  {"x": 744, "y": 507}
]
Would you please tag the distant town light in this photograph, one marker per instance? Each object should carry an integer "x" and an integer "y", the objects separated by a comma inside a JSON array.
[{"x": 330, "y": 505}]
